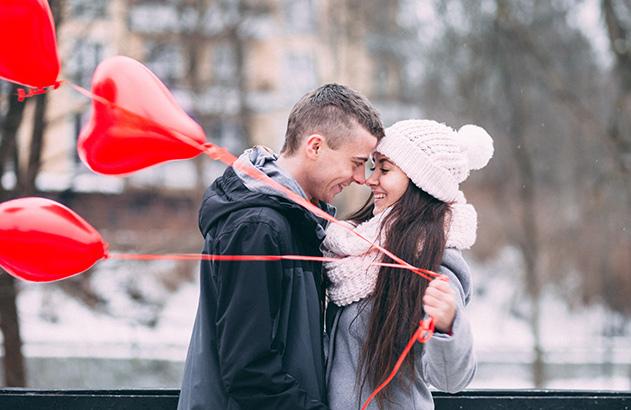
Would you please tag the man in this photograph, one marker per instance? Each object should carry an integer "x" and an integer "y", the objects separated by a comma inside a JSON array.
[{"x": 257, "y": 338}]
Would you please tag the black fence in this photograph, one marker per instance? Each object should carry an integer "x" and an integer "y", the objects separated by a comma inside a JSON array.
[{"x": 23, "y": 399}]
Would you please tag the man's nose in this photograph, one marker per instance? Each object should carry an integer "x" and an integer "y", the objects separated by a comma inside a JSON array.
[{"x": 359, "y": 176}]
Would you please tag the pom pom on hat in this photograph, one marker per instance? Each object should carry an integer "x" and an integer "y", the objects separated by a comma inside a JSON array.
[{"x": 477, "y": 145}]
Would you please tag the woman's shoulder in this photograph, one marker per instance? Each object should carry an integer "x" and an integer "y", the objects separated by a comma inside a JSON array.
[
  {"x": 453, "y": 257},
  {"x": 457, "y": 269}
]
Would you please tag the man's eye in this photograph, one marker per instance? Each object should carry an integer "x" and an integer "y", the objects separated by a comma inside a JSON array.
[{"x": 372, "y": 169}]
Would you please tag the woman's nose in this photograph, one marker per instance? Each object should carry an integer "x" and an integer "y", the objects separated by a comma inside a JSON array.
[{"x": 372, "y": 180}]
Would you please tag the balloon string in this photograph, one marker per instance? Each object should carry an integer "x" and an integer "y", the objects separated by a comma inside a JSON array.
[
  {"x": 221, "y": 154},
  {"x": 426, "y": 326},
  {"x": 422, "y": 334},
  {"x": 424, "y": 273},
  {"x": 24, "y": 93}
]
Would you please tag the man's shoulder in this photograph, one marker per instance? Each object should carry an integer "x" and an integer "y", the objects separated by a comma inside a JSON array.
[
  {"x": 253, "y": 227},
  {"x": 260, "y": 215}
]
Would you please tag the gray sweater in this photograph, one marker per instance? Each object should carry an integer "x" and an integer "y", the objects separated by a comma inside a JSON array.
[{"x": 447, "y": 362}]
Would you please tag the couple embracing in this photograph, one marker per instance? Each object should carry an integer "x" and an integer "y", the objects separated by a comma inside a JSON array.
[{"x": 300, "y": 335}]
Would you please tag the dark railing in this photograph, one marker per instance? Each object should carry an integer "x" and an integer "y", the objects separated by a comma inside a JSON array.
[{"x": 24, "y": 399}]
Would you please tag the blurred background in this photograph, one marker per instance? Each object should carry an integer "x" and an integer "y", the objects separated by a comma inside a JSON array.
[{"x": 550, "y": 80}]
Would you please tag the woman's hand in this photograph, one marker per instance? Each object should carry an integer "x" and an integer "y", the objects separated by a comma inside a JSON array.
[{"x": 439, "y": 302}]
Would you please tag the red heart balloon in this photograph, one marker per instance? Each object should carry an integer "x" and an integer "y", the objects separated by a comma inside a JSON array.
[
  {"x": 135, "y": 122},
  {"x": 43, "y": 241},
  {"x": 28, "y": 49}
]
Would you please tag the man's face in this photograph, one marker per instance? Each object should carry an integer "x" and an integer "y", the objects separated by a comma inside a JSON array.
[{"x": 335, "y": 169}]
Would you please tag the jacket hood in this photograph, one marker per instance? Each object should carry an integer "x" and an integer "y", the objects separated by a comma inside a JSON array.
[
  {"x": 237, "y": 190},
  {"x": 228, "y": 194},
  {"x": 264, "y": 159}
]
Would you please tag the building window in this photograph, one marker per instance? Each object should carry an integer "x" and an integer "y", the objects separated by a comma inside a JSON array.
[
  {"x": 86, "y": 56},
  {"x": 387, "y": 84},
  {"x": 153, "y": 18},
  {"x": 165, "y": 60},
  {"x": 89, "y": 9},
  {"x": 300, "y": 72},
  {"x": 382, "y": 75},
  {"x": 224, "y": 65},
  {"x": 299, "y": 15},
  {"x": 77, "y": 124}
]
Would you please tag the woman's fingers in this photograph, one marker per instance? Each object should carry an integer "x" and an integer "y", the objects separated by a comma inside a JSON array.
[
  {"x": 439, "y": 302},
  {"x": 440, "y": 285},
  {"x": 439, "y": 290},
  {"x": 433, "y": 301}
]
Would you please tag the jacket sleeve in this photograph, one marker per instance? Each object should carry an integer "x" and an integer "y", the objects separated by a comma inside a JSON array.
[
  {"x": 448, "y": 360},
  {"x": 249, "y": 299}
]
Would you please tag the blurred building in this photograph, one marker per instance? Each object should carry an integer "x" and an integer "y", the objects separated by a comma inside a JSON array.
[{"x": 235, "y": 66}]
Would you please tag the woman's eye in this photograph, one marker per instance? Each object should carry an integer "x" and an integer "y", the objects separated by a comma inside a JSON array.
[{"x": 384, "y": 170}]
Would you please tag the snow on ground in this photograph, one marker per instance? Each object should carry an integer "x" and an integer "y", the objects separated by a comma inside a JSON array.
[
  {"x": 55, "y": 325},
  {"x": 77, "y": 331},
  {"x": 499, "y": 316},
  {"x": 576, "y": 353}
]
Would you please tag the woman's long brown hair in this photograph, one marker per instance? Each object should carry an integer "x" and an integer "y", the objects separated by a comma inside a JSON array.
[{"x": 414, "y": 231}]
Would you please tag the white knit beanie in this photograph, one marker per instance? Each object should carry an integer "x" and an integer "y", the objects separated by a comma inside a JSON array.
[
  {"x": 434, "y": 156},
  {"x": 437, "y": 159}
]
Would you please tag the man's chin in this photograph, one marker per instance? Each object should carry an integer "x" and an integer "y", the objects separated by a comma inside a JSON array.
[
  {"x": 327, "y": 198},
  {"x": 331, "y": 195}
]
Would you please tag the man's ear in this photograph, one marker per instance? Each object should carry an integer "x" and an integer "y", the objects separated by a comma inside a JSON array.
[{"x": 315, "y": 143}]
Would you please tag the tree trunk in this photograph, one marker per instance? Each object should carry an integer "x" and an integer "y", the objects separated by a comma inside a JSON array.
[
  {"x": 239, "y": 44},
  {"x": 529, "y": 244},
  {"x": 192, "y": 43},
  {"x": 26, "y": 183},
  {"x": 619, "y": 129},
  {"x": 509, "y": 70},
  {"x": 13, "y": 361},
  {"x": 8, "y": 131},
  {"x": 14, "y": 367}
]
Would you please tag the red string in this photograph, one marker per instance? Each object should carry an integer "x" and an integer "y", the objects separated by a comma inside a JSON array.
[
  {"x": 422, "y": 334},
  {"x": 221, "y": 154},
  {"x": 424, "y": 273},
  {"x": 426, "y": 327},
  {"x": 24, "y": 93}
]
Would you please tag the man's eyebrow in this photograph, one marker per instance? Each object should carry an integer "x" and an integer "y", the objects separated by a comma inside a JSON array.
[{"x": 363, "y": 159}]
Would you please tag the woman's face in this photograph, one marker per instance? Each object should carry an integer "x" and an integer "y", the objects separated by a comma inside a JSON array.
[{"x": 387, "y": 182}]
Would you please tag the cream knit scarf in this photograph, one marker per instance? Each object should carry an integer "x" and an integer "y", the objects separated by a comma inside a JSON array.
[{"x": 354, "y": 277}]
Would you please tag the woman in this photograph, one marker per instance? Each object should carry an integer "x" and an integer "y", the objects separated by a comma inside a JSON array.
[{"x": 418, "y": 212}]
